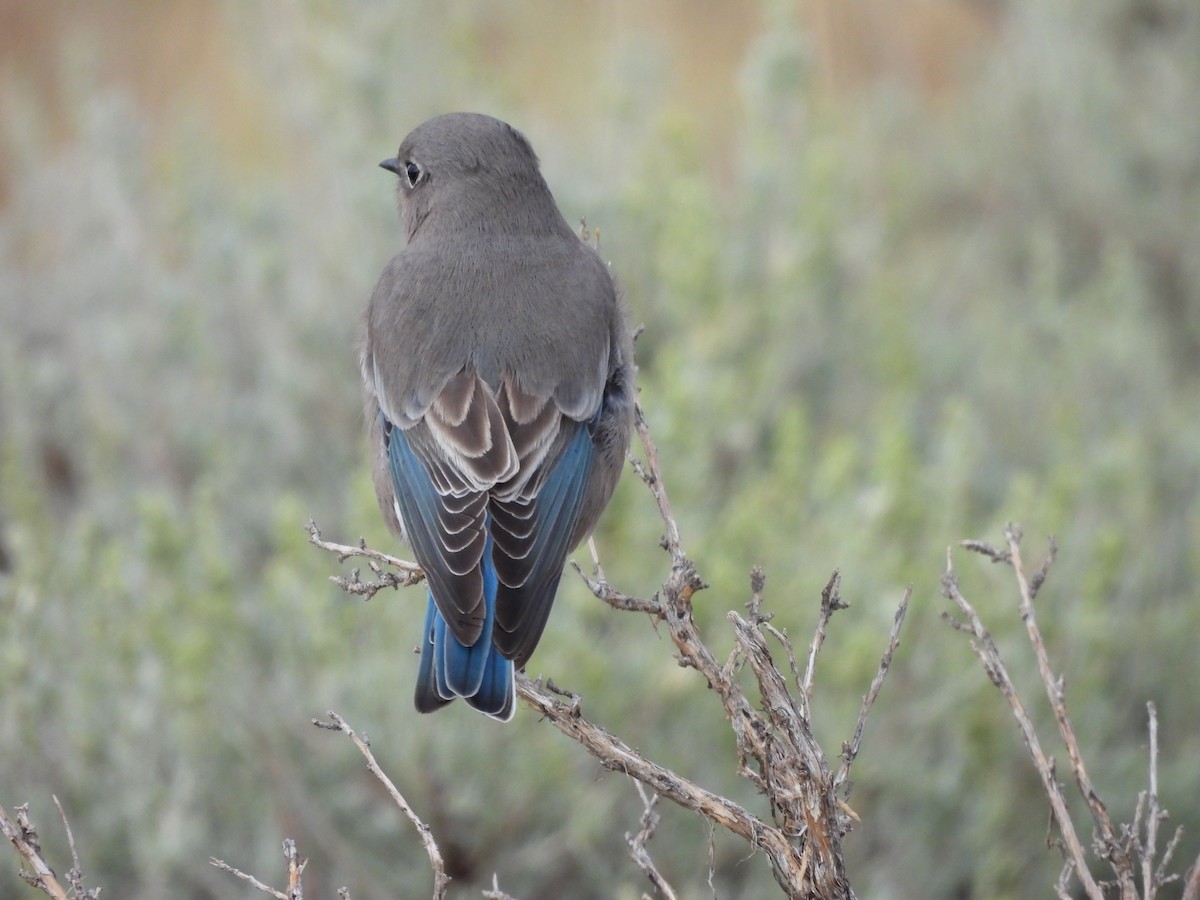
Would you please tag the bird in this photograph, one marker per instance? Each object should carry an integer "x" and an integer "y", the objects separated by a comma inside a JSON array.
[{"x": 500, "y": 381}]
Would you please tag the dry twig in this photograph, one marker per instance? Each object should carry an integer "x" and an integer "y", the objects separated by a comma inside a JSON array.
[
  {"x": 295, "y": 869},
  {"x": 1055, "y": 692},
  {"x": 494, "y": 893},
  {"x": 249, "y": 879},
  {"x": 637, "y": 843},
  {"x": 440, "y": 878},
  {"x": 803, "y": 843},
  {"x": 985, "y": 648},
  {"x": 75, "y": 873},
  {"x": 615, "y": 755},
  {"x": 831, "y": 602},
  {"x": 407, "y": 573},
  {"x": 296, "y": 866},
  {"x": 1191, "y": 887},
  {"x": 24, "y": 838},
  {"x": 776, "y": 748},
  {"x": 1129, "y": 850},
  {"x": 850, "y": 748}
]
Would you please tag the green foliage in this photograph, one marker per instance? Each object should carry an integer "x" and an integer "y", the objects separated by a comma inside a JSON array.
[{"x": 871, "y": 330}]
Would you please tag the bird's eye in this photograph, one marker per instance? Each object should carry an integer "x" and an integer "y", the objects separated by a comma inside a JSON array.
[{"x": 413, "y": 172}]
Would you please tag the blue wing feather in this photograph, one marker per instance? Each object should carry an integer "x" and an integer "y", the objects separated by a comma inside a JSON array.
[
  {"x": 448, "y": 668},
  {"x": 514, "y": 617},
  {"x": 463, "y": 667},
  {"x": 522, "y": 610}
]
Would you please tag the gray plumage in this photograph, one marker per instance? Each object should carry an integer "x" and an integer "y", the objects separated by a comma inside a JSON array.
[{"x": 498, "y": 353}]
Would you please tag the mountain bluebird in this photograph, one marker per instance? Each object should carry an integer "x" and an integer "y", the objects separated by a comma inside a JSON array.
[{"x": 500, "y": 388}]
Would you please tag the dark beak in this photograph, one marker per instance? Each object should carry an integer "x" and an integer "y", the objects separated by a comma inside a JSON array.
[{"x": 392, "y": 165}]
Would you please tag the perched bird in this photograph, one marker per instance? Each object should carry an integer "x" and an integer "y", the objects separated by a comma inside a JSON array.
[{"x": 499, "y": 375}]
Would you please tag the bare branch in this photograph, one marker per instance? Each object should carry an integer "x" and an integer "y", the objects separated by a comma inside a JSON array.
[
  {"x": 985, "y": 648},
  {"x": 75, "y": 873},
  {"x": 1191, "y": 886},
  {"x": 24, "y": 838},
  {"x": 614, "y": 598},
  {"x": 1062, "y": 888},
  {"x": 295, "y": 889},
  {"x": 651, "y": 474},
  {"x": 495, "y": 893},
  {"x": 597, "y": 569},
  {"x": 1127, "y": 849},
  {"x": 1038, "y": 578},
  {"x": 790, "y": 765},
  {"x": 295, "y": 870},
  {"x": 712, "y": 856},
  {"x": 440, "y": 878},
  {"x": 831, "y": 602},
  {"x": 249, "y": 879},
  {"x": 1161, "y": 876},
  {"x": 1113, "y": 851},
  {"x": 776, "y": 749},
  {"x": 1150, "y": 880},
  {"x": 850, "y": 748},
  {"x": 637, "y": 843},
  {"x": 757, "y": 583},
  {"x": 408, "y": 573},
  {"x": 983, "y": 548},
  {"x": 615, "y": 755}
]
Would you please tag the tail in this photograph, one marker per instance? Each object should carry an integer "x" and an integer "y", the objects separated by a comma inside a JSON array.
[{"x": 478, "y": 674}]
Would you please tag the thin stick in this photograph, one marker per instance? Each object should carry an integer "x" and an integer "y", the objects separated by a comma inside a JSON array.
[
  {"x": 408, "y": 573},
  {"x": 440, "y": 878},
  {"x": 1149, "y": 882},
  {"x": 652, "y": 475},
  {"x": 249, "y": 879},
  {"x": 637, "y": 843},
  {"x": 295, "y": 870},
  {"x": 617, "y": 600},
  {"x": 985, "y": 648},
  {"x": 23, "y": 837},
  {"x": 596, "y": 568},
  {"x": 1057, "y": 697},
  {"x": 776, "y": 749},
  {"x": 495, "y": 893},
  {"x": 1191, "y": 888},
  {"x": 831, "y": 602},
  {"x": 757, "y": 582},
  {"x": 615, "y": 755},
  {"x": 75, "y": 875},
  {"x": 850, "y": 749}
]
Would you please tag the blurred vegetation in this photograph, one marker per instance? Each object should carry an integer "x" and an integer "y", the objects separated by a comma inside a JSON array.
[{"x": 894, "y": 296}]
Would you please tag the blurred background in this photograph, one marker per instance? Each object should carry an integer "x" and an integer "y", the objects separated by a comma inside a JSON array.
[{"x": 908, "y": 270}]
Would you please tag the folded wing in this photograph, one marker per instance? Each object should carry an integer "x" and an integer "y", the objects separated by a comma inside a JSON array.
[{"x": 505, "y": 463}]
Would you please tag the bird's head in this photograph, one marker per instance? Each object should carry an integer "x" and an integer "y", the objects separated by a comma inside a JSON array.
[{"x": 469, "y": 171}]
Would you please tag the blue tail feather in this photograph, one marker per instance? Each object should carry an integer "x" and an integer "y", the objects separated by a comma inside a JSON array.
[
  {"x": 429, "y": 696},
  {"x": 479, "y": 673}
]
